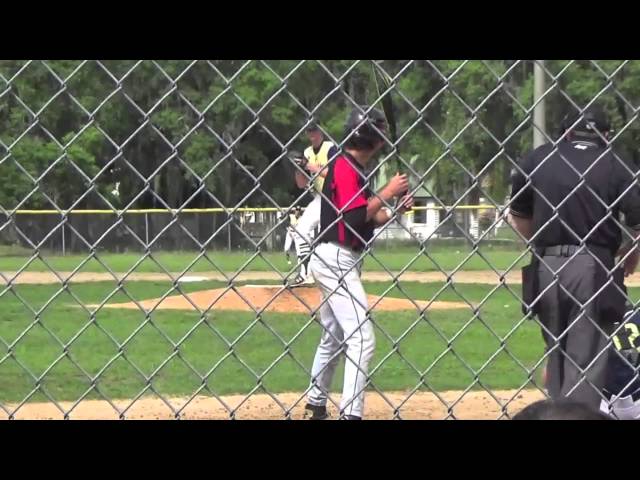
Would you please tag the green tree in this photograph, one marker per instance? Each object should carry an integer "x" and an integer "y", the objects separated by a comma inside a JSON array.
[{"x": 211, "y": 133}]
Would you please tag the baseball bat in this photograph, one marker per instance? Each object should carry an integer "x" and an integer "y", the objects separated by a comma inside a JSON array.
[{"x": 388, "y": 110}]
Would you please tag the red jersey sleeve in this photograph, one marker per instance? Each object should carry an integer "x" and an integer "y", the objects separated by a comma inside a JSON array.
[{"x": 349, "y": 186}]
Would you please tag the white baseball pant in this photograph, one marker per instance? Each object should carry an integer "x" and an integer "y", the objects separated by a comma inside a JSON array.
[
  {"x": 288, "y": 241},
  {"x": 346, "y": 327},
  {"x": 304, "y": 233},
  {"x": 309, "y": 221}
]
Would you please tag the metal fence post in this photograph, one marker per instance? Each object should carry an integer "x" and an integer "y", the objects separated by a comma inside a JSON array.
[
  {"x": 539, "y": 111},
  {"x": 64, "y": 249},
  {"x": 146, "y": 230}
]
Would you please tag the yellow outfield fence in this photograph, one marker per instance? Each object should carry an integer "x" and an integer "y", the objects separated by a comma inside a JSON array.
[
  {"x": 141, "y": 211},
  {"x": 120, "y": 230}
]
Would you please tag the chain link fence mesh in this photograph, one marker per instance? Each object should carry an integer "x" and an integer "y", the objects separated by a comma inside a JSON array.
[{"x": 132, "y": 305}]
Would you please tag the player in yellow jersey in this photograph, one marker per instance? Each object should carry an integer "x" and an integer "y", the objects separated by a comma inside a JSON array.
[{"x": 314, "y": 161}]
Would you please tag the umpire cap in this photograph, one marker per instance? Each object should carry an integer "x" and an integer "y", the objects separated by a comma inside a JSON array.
[
  {"x": 593, "y": 124},
  {"x": 364, "y": 129}
]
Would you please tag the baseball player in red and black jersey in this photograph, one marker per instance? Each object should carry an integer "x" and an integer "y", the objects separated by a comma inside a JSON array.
[{"x": 349, "y": 214}]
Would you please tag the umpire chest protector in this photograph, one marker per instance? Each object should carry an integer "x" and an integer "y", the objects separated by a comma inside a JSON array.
[{"x": 319, "y": 159}]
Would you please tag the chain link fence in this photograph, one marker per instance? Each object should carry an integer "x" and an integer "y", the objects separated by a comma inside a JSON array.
[{"x": 168, "y": 297}]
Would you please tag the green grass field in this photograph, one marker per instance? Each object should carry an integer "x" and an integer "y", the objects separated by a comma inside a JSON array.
[
  {"x": 392, "y": 259},
  {"x": 247, "y": 360}
]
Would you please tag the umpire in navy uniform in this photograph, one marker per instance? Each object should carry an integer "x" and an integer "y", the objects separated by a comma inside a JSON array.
[{"x": 567, "y": 199}]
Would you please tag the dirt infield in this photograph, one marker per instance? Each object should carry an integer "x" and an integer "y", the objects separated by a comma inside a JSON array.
[
  {"x": 421, "y": 406},
  {"x": 487, "y": 277},
  {"x": 272, "y": 299}
]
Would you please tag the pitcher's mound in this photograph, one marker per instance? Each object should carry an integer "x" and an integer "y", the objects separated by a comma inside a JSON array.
[{"x": 275, "y": 299}]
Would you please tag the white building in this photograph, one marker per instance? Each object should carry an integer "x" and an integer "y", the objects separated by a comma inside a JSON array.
[
  {"x": 420, "y": 223},
  {"x": 424, "y": 221}
]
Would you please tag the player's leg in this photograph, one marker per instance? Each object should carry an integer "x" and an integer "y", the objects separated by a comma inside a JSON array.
[
  {"x": 305, "y": 228},
  {"x": 349, "y": 305},
  {"x": 552, "y": 326},
  {"x": 314, "y": 218},
  {"x": 314, "y": 223},
  {"x": 304, "y": 256},
  {"x": 586, "y": 360},
  {"x": 587, "y": 351},
  {"x": 330, "y": 347},
  {"x": 324, "y": 363},
  {"x": 309, "y": 220},
  {"x": 360, "y": 340},
  {"x": 288, "y": 241},
  {"x": 302, "y": 253}
]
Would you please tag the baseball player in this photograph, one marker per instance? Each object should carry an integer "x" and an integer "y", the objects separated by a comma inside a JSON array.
[
  {"x": 289, "y": 238},
  {"x": 313, "y": 161},
  {"x": 623, "y": 381},
  {"x": 349, "y": 214}
]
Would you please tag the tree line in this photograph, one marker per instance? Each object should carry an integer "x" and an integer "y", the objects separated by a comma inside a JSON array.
[{"x": 88, "y": 134}]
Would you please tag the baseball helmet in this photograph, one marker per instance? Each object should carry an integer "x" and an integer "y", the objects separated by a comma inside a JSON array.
[
  {"x": 592, "y": 124},
  {"x": 298, "y": 158},
  {"x": 364, "y": 130},
  {"x": 312, "y": 126}
]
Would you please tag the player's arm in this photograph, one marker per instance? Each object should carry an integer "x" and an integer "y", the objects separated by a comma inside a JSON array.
[
  {"x": 301, "y": 179},
  {"x": 629, "y": 194},
  {"x": 396, "y": 186},
  {"x": 313, "y": 169},
  {"x": 384, "y": 215},
  {"x": 370, "y": 210},
  {"x": 524, "y": 226},
  {"x": 521, "y": 208}
]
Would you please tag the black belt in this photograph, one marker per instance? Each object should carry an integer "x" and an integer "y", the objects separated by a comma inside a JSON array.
[{"x": 563, "y": 250}]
